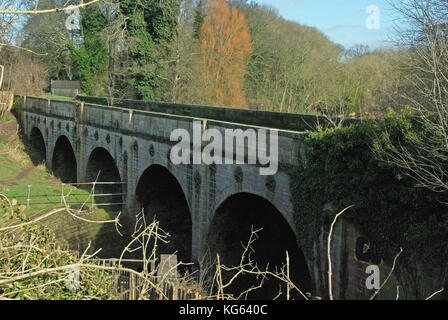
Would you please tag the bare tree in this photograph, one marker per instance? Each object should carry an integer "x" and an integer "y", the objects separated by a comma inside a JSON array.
[
  {"x": 426, "y": 92},
  {"x": 11, "y": 7},
  {"x": 12, "y": 11}
]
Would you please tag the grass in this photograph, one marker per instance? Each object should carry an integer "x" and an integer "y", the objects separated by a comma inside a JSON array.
[
  {"x": 56, "y": 97},
  {"x": 20, "y": 179}
]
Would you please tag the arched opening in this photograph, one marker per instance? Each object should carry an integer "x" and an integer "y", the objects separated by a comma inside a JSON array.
[
  {"x": 64, "y": 161},
  {"x": 37, "y": 150},
  {"x": 230, "y": 230},
  {"x": 162, "y": 198},
  {"x": 101, "y": 167}
]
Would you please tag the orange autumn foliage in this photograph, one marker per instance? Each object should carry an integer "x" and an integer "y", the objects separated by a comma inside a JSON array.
[{"x": 225, "y": 44}]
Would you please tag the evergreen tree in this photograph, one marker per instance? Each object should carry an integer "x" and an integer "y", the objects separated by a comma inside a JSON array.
[
  {"x": 150, "y": 26},
  {"x": 92, "y": 57},
  {"x": 198, "y": 19}
]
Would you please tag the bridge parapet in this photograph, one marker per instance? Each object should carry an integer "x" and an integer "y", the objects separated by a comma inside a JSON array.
[
  {"x": 63, "y": 109},
  {"x": 277, "y": 120},
  {"x": 153, "y": 125},
  {"x": 116, "y": 119},
  {"x": 39, "y": 105}
]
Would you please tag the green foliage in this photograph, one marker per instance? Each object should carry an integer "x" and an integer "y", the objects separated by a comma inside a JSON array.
[
  {"x": 420, "y": 137},
  {"x": 198, "y": 19},
  {"x": 92, "y": 58},
  {"x": 150, "y": 25},
  {"x": 161, "y": 19},
  {"x": 292, "y": 68},
  {"x": 343, "y": 169}
]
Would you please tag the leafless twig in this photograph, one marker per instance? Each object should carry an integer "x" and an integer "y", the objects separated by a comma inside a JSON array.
[
  {"x": 388, "y": 276},
  {"x": 330, "y": 282}
]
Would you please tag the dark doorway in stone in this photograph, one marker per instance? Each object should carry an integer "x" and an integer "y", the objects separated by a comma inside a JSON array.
[
  {"x": 64, "y": 161},
  {"x": 102, "y": 168},
  {"x": 231, "y": 228},
  {"x": 37, "y": 150},
  {"x": 163, "y": 199}
]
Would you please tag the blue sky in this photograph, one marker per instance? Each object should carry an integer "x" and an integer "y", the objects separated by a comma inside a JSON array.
[{"x": 343, "y": 21}]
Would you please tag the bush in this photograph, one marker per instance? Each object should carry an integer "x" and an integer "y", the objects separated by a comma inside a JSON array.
[{"x": 344, "y": 167}]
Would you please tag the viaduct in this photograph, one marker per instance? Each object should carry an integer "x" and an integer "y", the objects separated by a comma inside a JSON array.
[{"x": 206, "y": 208}]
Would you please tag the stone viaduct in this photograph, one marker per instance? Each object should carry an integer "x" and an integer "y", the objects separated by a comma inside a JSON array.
[{"x": 206, "y": 208}]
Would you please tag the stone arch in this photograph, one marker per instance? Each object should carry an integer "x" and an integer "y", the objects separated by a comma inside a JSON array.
[
  {"x": 64, "y": 162},
  {"x": 176, "y": 171},
  {"x": 101, "y": 167},
  {"x": 38, "y": 146},
  {"x": 281, "y": 201},
  {"x": 114, "y": 154},
  {"x": 161, "y": 196},
  {"x": 231, "y": 227}
]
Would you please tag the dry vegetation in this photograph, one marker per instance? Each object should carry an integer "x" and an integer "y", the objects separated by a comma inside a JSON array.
[{"x": 34, "y": 266}]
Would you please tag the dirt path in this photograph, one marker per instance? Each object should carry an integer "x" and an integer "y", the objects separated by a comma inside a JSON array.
[{"x": 24, "y": 173}]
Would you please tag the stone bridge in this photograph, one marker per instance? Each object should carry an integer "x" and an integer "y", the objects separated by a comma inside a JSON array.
[{"x": 206, "y": 208}]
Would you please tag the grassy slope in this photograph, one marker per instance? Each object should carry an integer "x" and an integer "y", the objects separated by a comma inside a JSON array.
[{"x": 17, "y": 172}]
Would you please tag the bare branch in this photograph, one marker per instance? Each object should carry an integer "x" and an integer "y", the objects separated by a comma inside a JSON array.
[
  {"x": 36, "y": 11},
  {"x": 435, "y": 293},
  {"x": 22, "y": 48},
  {"x": 330, "y": 282},
  {"x": 388, "y": 276}
]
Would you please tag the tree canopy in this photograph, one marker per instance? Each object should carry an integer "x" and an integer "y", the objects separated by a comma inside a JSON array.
[{"x": 232, "y": 53}]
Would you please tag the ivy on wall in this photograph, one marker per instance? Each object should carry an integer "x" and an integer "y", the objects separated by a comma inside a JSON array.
[{"x": 342, "y": 169}]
